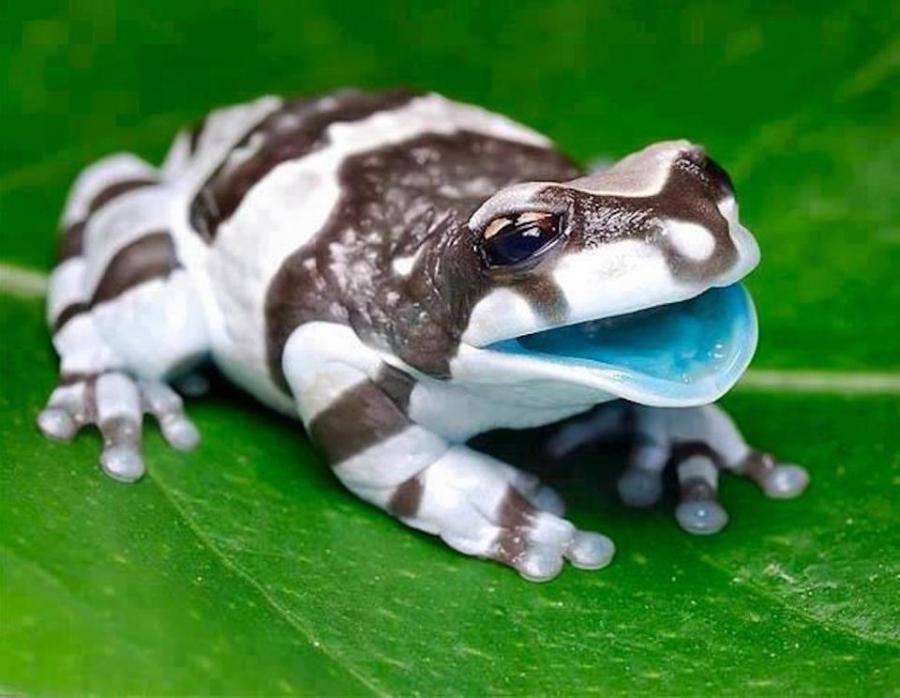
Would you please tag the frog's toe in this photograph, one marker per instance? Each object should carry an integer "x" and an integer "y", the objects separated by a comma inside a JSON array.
[
  {"x": 540, "y": 564},
  {"x": 122, "y": 463},
  {"x": 701, "y": 517},
  {"x": 639, "y": 488},
  {"x": 786, "y": 482},
  {"x": 776, "y": 480},
  {"x": 547, "y": 499},
  {"x": 590, "y": 551},
  {"x": 698, "y": 510},
  {"x": 167, "y": 406},
  {"x": 57, "y": 424}
]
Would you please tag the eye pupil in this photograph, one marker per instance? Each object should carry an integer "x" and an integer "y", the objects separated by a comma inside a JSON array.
[{"x": 517, "y": 241}]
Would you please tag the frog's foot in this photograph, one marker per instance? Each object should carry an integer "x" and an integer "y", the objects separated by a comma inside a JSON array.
[
  {"x": 699, "y": 442},
  {"x": 115, "y": 402},
  {"x": 776, "y": 480},
  {"x": 486, "y": 508}
]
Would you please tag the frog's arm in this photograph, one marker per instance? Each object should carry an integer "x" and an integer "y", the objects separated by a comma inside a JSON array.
[
  {"x": 123, "y": 317},
  {"x": 698, "y": 442},
  {"x": 355, "y": 409}
]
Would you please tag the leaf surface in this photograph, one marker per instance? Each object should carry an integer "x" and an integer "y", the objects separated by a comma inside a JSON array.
[{"x": 244, "y": 568}]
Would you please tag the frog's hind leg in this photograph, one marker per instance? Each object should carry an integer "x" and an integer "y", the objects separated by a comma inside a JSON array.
[{"x": 123, "y": 315}]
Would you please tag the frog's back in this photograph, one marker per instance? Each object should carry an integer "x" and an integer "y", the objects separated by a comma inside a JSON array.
[{"x": 282, "y": 188}]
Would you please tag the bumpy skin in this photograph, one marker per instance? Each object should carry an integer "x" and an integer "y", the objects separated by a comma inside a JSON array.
[{"x": 326, "y": 254}]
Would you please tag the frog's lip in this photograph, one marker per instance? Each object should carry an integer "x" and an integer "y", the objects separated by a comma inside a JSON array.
[{"x": 682, "y": 353}]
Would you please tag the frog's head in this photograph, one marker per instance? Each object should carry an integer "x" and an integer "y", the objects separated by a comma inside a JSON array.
[{"x": 623, "y": 282}]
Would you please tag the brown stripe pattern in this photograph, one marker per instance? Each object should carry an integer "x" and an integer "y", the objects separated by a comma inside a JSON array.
[
  {"x": 291, "y": 132},
  {"x": 407, "y": 497},
  {"x": 363, "y": 416},
  {"x": 68, "y": 313},
  {"x": 195, "y": 134},
  {"x": 515, "y": 516},
  {"x": 149, "y": 257},
  {"x": 72, "y": 242}
]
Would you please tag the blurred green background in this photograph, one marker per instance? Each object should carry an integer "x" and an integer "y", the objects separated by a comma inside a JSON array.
[{"x": 245, "y": 569}]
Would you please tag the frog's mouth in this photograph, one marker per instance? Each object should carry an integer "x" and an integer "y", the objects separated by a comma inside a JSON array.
[{"x": 688, "y": 352}]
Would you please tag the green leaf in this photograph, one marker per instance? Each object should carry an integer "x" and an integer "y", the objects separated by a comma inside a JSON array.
[{"x": 244, "y": 568}]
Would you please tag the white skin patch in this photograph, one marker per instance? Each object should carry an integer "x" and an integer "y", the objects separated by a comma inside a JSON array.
[
  {"x": 317, "y": 348},
  {"x": 122, "y": 221},
  {"x": 640, "y": 174},
  {"x": 81, "y": 348},
  {"x": 690, "y": 239},
  {"x": 102, "y": 174},
  {"x": 408, "y": 452},
  {"x": 154, "y": 325},
  {"x": 461, "y": 408},
  {"x": 66, "y": 287},
  {"x": 500, "y": 314},
  {"x": 402, "y": 266}
]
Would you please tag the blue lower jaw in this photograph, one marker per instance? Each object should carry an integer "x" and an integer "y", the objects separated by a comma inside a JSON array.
[{"x": 682, "y": 351}]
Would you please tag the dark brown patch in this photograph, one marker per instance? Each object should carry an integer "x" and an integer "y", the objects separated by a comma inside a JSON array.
[
  {"x": 697, "y": 489},
  {"x": 121, "y": 431},
  {"x": 72, "y": 242},
  {"x": 361, "y": 417},
  {"x": 758, "y": 465},
  {"x": 68, "y": 313},
  {"x": 683, "y": 450},
  {"x": 545, "y": 298},
  {"x": 515, "y": 516},
  {"x": 195, "y": 134},
  {"x": 118, "y": 189},
  {"x": 90, "y": 398},
  {"x": 292, "y": 131},
  {"x": 407, "y": 198},
  {"x": 149, "y": 257},
  {"x": 72, "y": 377},
  {"x": 406, "y": 499},
  {"x": 397, "y": 385}
]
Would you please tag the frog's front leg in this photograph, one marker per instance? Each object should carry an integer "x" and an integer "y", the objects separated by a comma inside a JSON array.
[
  {"x": 355, "y": 409},
  {"x": 700, "y": 442},
  {"x": 123, "y": 315}
]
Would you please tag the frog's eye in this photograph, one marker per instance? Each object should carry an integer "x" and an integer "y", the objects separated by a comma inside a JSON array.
[{"x": 510, "y": 242}]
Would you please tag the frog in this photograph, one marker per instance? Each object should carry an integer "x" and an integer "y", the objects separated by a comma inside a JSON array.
[{"x": 399, "y": 272}]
